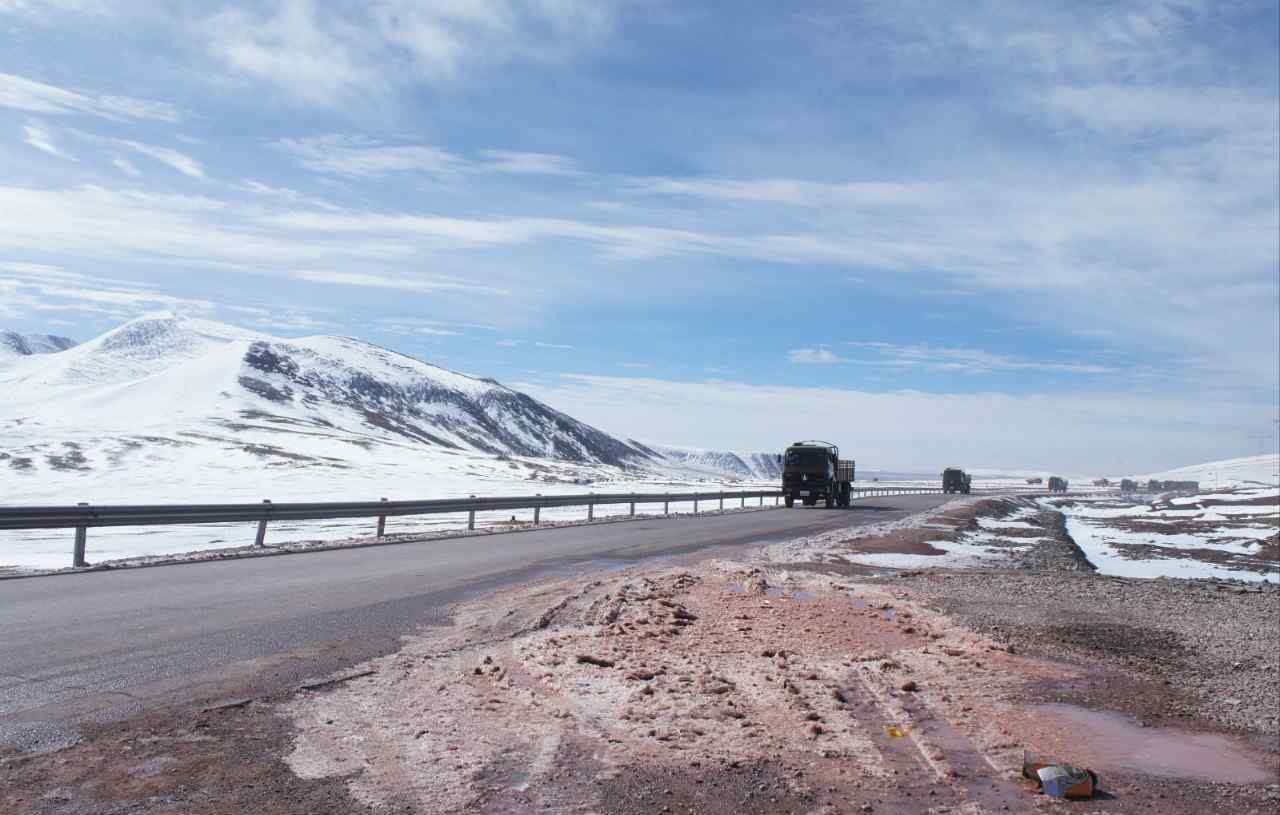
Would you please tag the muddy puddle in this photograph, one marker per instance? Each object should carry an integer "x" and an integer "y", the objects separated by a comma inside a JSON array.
[{"x": 1105, "y": 740}]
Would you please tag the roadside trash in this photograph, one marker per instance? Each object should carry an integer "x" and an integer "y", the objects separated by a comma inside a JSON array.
[
  {"x": 894, "y": 731},
  {"x": 1058, "y": 779}
]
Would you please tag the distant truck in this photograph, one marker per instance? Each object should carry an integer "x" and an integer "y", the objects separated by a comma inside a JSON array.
[
  {"x": 955, "y": 479},
  {"x": 1128, "y": 485},
  {"x": 1155, "y": 485},
  {"x": 1057, "y": 484},
  {"x": 1036, "y": 480},
  {"x": 1101, "y": 482},
  {"x": 813, "y": 471}
]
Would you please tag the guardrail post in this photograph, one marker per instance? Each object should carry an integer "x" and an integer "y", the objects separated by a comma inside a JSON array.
[
  {"x": 261, "y": 540},
  {"x": 744, "y": 501},
  {"x": 722, "y": 502},
  {"x": 382, "y": 522},
  {"x": 537, "y": 512},
  {"x": 633, "y": 505},
  {"x": 666, "y": 507},
  {"x": 591, "y": 510},
  {"x": 471, "y": 519},
  {"x": 82, "y": 537},
  {"x": 761, "y": 500},
  {"x": 695, "y": 506}
]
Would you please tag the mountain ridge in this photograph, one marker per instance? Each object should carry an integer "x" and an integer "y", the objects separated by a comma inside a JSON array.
[
  {"x": 168, "y": 376},
  {"x": 14, "y": 344}
]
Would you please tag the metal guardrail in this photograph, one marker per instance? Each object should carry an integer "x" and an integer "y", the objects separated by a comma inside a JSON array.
[{"x": 81, "y": 517}]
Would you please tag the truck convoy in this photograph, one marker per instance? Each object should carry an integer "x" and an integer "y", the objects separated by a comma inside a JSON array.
[
  {"x": 1057, "y": 484},
  {"x": 955, "y": 479},
  {"x": 813, "y": 471}
]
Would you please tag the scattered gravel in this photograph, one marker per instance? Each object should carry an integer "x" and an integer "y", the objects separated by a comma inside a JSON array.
[{"x": 1217, "y": 643}]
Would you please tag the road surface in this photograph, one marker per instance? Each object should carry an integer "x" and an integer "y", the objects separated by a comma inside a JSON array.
[{"x": 101, "y": 646}]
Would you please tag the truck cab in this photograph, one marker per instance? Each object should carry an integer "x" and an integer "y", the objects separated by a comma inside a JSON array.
[
  {"x": 955, "y": 479},
  {"x": 813, "y": 471}
]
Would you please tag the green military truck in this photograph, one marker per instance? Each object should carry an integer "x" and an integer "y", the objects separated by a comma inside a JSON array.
[
  {"x": 813, "y": 471},
  {"x": 1057, "y": 484},
  {"x": 955, "y": 479}
]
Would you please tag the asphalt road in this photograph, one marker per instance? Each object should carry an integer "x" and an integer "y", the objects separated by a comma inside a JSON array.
[{"x": 101, "y": 646}]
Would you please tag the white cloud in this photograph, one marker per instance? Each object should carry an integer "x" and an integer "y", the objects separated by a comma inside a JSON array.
[
  {"x": 35, "y": 287},
  {"x": 44, "y": 8},
  {"x": 356, "y": 156},
  {"x": 125, "y": 166},
  {"x": 39, "y": 136},
  {"x": 20, "y": 93},
  {"x": 292, "y": 50},
  {"x": 814, "y": 356},
  {"x": 321, "y": 56},
  {"x": 797, "y": 192},
  {"x": 179, "y": 161},
  {"x": 554, "y": 345},
  {"x": 518, "y": 163},
  {"x": 1181, "y": 110},
  {"x": 966, "y": 360},
  {"x": 401, "y": 283},
  {"x": 1107, "y": 433}
]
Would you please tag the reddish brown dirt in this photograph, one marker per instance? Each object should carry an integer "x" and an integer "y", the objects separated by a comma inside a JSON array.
[
  {"x": 225, "y": 761},
  {"x": 709, "y": 689},
  {"x": 905, "y": 541}
]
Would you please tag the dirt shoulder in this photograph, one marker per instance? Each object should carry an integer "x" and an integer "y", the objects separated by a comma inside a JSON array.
[{"x": 728, "y": 687}]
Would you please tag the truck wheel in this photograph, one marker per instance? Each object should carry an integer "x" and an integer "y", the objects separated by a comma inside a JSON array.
[
  {"x": 830, "y": 502},
  {"x": 790, "y": 501},
  {"x": 810, "y": 501}
]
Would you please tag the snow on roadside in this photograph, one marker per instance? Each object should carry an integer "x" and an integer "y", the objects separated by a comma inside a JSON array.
[
  {"x": 1218, "y": 535},
  {"x": 1101, "y": 548},
  {"x": 1005, "y": 536}
]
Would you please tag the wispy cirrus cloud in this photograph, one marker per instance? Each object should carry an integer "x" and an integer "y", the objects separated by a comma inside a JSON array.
[
  {"x": 32, "y": 96},
  {"x": 41, "y": 138},
  {"x": 524, "y": 163},
  {"x": 814, "y": 356},
  {"x": 321, "y": 58},
  {"x": 125, "y": 166},
  {"x": 356, "y": 156},
  {"x": 39, "y": 287},
  {"x": 965, "y": 360},
  {"x": 401, "y": 282},
  {"x": 174, "y": 159},
  {"x": 798, "y": 192}
]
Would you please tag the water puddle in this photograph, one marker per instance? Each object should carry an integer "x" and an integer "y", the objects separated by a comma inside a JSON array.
[
  {"x": 1114, "y": 740},
  {"x": 519, "y": 780},
  {"x": 888, "y": 614},
  {"x": 789, "y": 595}
]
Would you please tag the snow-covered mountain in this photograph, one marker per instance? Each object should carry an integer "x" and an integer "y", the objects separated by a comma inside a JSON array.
[
  {"x": 14, "y": 345},
  {"x": 165, "y": 382},
  {"x": 698, "y": 463}
]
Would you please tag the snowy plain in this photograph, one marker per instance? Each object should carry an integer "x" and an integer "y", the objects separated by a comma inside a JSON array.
[{"x": 1220, "y": 533}]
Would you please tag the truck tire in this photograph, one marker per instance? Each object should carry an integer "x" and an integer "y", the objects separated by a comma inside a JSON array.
[
  {"x": 810, "y": 501},
  {"x": 830, "y": 502},
  {"x": 790, "y": 501}
]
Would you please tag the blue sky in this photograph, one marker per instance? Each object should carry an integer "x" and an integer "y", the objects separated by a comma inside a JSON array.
[{"x": 1011, "y": 233}]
